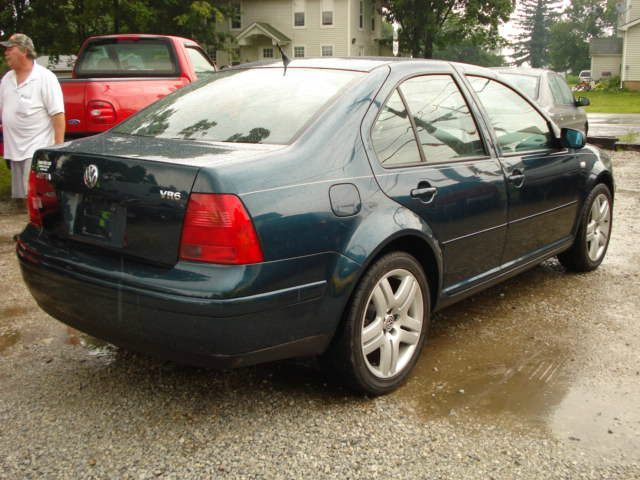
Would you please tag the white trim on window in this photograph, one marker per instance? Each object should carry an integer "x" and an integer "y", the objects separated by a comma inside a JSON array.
[
  {"x": 237, "y": 4},
  {"x": 304, "y": 50},
  {"x": 327, "y": 7},
  {"x": 299, "y": 6},
  {"x": 322, "y": 50}
]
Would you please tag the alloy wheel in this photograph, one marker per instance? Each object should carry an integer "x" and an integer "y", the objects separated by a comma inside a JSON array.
[
  {"x": 392, "y": 323},
  {"x": 598, "y": 227}
]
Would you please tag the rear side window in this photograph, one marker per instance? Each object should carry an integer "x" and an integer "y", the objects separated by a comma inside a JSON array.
[
  {"x": 446, "y": 130},
  {"x": 122, "y": 58},
  {"x": 392, "y": 135},
  {"x": 519, "y": 127},
  {"x": 246, "y": 106},
  {"x": 200, "y": 63},
  {"x": 529, "y": 84}
]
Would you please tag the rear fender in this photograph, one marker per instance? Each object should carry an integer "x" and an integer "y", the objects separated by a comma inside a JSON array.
[{"x": 378, "y": 236}]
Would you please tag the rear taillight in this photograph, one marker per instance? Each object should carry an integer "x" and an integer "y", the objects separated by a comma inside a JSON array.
[
  {"x": 41, "y": 198},
  {"x": 101, "y": 112},
  {"x": 218, "y": 229}
]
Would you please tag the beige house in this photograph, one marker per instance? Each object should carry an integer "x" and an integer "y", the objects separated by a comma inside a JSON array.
[
  {"x": 629, "y": 30},
  {"x": 621, "y": 55},
  {"x": 303, "y": 28}
]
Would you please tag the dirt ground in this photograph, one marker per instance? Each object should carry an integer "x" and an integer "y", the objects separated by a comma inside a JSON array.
[{"x": 538, "y": 377}]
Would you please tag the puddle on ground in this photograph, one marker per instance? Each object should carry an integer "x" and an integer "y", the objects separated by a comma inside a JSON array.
[
  {"x": 11, "y": 312},
  {"x": 54, "y": 334},
  {"x": 508, "y": 360},
  {"x": 8, "y": 339}
]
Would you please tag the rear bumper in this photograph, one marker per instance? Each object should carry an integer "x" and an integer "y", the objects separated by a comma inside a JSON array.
[{"x": 220, "y": 333}]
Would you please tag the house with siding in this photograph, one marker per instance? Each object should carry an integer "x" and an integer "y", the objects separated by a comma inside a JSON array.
[
  {"x": 623, "y": 50},
  {"x": 302, "y": 28}
]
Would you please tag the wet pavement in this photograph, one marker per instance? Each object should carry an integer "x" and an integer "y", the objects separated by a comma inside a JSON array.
[
  {"x": 538, "y": 377},
  {"x": 626, "y": 125}
]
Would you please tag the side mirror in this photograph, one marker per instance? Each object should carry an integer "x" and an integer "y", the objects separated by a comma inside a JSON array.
[
  {"x": 572, "y": 138},
  {"x": 582, "y": 102}
]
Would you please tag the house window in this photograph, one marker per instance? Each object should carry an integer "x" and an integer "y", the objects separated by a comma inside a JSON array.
[
  {"x": 298, "y": 52},
  {"x": 327, "y": 50},
  {"x": 236, "y": 16},
  {"x": 298, "y": 13},
  {"x": 373, "y": 18},
  {"x": 267, "y": 52},
  {"x": 361, "y": 16},
  {"x": 327, "y": 12}
]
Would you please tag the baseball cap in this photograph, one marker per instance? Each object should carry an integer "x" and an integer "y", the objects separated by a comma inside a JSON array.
[{"x": 22, "y": 41}]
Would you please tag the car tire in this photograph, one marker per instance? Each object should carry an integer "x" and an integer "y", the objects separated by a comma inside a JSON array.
[
  {"x": 594, "y": 230},
  {"x": 384, "y": 327}
]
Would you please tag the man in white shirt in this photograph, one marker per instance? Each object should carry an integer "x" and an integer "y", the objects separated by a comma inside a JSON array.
[{"x": 32, "y": 110}]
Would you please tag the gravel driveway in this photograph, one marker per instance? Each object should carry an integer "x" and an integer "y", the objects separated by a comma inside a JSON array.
[{"x": 536, "y": 378}]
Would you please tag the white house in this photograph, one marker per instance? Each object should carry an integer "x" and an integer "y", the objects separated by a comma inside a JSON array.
[
  {"x": 620, "y": 55},
  {"x": 303, "y": 28},
  {"x": 629, "y": 30}
]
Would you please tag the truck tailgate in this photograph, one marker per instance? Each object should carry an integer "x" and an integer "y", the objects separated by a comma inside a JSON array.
[{"x": 95, "y": 105}]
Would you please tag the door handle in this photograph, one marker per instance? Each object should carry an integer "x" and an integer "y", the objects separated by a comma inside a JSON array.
[
  {"x": 425, "y": 192},
  {"x": 516, "y": 178}
]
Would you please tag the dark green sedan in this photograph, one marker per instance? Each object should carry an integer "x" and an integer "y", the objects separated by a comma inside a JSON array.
[{"x": 324, "y": 209}]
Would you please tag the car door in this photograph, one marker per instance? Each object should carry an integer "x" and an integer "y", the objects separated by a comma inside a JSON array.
[
  {"x": 543, "y": 178},
  {"x": 431, "y": 158}
]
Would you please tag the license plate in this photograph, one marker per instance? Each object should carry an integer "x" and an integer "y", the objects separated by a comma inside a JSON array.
[{"x": 101, "y": 221}]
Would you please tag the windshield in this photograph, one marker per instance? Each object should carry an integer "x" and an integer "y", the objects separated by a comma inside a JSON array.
[
  {"x": 526, "y": 83},
  {"x": 246, "y": 106}
]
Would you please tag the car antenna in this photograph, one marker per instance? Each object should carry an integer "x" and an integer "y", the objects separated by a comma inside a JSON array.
[{"x": 285, "y": 60}]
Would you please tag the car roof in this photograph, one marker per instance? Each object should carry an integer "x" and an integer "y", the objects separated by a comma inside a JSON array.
[
  {"x": 536, "y": 72},
  {"x": 360, "y": 64}
]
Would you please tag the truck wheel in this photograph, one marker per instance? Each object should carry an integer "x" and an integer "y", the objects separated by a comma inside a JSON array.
[
  {"x": 592, "y": 240},
  {"x": 385, "y": 326}
]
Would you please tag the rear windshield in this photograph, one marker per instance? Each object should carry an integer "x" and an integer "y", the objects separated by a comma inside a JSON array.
[
  {"x": 125, "y": 58},
  {"x": 526, "y": 83},
  {"x": 245, "y": 106}
]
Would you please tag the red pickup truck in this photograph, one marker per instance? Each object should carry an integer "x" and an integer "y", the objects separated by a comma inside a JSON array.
[{"x": 117, "y": 75}]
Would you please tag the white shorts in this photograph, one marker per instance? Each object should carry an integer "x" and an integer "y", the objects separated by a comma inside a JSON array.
[{"x": 20, "y": 178}]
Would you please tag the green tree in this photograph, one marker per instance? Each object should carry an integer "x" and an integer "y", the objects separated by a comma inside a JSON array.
[
  {"x": 427, "y": 24},
  {"x": 469, "y": 52},
  {"x": 60, "y": 26},
  {"x": 581, "y": 21},
  {"x": 535, "y": 18}
]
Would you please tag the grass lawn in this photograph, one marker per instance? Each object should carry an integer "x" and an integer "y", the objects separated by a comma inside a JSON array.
[
  {"x": 5, "y": 181},
  {"x": 612, "y": 102}
]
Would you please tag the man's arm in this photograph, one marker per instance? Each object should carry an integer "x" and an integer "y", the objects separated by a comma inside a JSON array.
[{"x": 58, "y": 123}]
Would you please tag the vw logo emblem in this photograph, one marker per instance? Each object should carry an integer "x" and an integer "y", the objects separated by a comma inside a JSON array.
[{"x": 91, "y": 176}]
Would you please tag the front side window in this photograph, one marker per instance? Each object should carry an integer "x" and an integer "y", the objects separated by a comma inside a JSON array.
[
  {"x": 361, "y": 16},
  {"x": 518, "y": 126},
  {"x": 298, "y": 52},
  {"x": 392, "y": 135},
  {"x": 560, "y": 91},
  {"x": 245, "y": 106},
  {"x": 445, "y": 127},
  {"x": 267, "y": 52}
]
